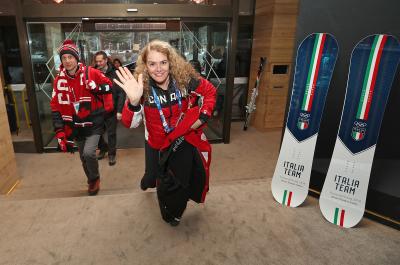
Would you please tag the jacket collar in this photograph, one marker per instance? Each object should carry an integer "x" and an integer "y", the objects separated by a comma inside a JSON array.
[{"x": 110, "y": 68}]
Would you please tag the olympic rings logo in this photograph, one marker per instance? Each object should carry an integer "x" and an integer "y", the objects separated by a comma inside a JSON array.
[
  {"x": 304, "y": 115},
  {"x": 360, "y": 124}
]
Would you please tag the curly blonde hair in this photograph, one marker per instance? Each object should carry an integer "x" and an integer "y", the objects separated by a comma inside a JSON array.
[{"x": 179, "y": 69}]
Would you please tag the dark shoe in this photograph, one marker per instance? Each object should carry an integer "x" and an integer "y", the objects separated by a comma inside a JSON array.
[
  {"x": 175, "y": 221},
  {"x": 101, "y": 155},
  {"x": 144, "y": 185},
  {"x": 112, "y": 160},
  {"x": 94, "y": 187},
  {"x": 167, "y": 217}
]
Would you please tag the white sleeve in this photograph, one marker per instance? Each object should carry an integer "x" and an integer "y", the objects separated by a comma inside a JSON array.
[{"x": 137, "y": 118}]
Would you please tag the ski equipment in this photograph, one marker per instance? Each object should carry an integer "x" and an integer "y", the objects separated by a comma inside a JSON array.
[{"x": 252, "y": 103}]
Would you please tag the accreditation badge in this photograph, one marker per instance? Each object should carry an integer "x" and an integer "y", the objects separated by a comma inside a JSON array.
[{"x": 76, "y": 107}]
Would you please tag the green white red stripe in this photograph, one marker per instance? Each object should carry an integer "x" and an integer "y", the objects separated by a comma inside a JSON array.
[
  {"x": 358, "y": 135},
  {"x": 313, "y": 71},
  {"x": 339, "y": 217},
  {"x": 302, "y": 125},
  {"x": 287, "y": 197},
  {"x": 370, "y": 76}
]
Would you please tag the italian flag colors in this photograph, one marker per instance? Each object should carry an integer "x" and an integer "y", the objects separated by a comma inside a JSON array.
[
  {"x": 302, "y": 125},
  {"x": 358, "y": 135},
  {"x": 369, "y": 81},
  {"x": 370, "y": 77},
  {"x": 287, "y": 197},
  {"x": 313, "y": 71},
  {"x": 339, "y": 217}
]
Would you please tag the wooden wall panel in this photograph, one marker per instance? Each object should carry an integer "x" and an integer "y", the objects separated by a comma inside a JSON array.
[
  {"x": 273, "y": 37},
  {"x": 8, "y": 167}
]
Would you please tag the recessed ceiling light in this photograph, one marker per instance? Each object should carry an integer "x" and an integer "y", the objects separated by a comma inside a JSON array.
[{"x": 58, "y": 1}]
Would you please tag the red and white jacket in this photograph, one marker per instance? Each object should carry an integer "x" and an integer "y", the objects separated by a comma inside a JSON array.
[
  {"x": 197, "y": 103},
  {"x": 75, "y": 101},
  {"x": 200, "y": 93}
]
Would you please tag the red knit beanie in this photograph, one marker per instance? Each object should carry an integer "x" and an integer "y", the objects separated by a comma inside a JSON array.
[{"x": 69, "y": 47}]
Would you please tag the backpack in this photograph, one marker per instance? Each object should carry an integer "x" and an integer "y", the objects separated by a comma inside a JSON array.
[{"x": 106, "y": 99}]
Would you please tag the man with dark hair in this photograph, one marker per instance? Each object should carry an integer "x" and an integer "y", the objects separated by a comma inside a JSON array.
[
  {"x": 76, "y": 111},
  {"x": 111, "y": 118}
]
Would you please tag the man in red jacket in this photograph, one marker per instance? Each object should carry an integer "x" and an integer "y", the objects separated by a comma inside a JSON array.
[{"x": 78, "y": 111}]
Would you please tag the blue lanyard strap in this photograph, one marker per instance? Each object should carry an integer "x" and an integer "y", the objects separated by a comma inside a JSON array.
[{"x": 164, "y": 122}]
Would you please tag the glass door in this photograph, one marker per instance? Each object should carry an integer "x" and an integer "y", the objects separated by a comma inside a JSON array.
[
  {"x": 44, "y": 40},
  {"x": 204, "y": 44}
]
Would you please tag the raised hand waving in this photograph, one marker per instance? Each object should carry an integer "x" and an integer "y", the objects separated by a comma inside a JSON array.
[{"x": 132, "y": 87}]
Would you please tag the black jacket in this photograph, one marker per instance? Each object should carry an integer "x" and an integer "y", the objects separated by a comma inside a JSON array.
[{"x": 118, "y": 93}]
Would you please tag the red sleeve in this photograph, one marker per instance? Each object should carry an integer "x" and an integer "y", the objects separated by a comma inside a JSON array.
[
  {"x": 55, "y": 107},
  {"x": 99, "y": 77},
  {"x": 208, "y": 91},
  {"x": 97, "y": 82},
  {"x": 54, "y": 101}
]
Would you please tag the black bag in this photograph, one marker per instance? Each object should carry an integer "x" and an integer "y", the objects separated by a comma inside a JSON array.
[
  {"x": 168, "y": 183},
  {"x": 12, "y": 117}
]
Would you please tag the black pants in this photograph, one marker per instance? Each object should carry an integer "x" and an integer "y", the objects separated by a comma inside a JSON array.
[
  {"x": 111, "y": 128},
  {"x": 173, "y": 180}
]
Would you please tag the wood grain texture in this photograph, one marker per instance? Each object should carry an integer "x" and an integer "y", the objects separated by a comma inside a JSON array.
[
  {"x": 8, "y": 166},
  {"x": 273, "y": 36}
]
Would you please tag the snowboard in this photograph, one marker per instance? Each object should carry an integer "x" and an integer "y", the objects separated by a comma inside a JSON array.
[
  {"x": 315, "y": 61},
  {"x": 373, "y": 65}
]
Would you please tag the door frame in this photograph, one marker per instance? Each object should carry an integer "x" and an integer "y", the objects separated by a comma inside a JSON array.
[{"x": 75, "y": 12}]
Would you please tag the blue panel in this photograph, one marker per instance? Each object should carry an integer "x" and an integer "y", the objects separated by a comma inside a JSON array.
[
  {"x": 358, "y": 64},
  {"x": 311, "y": 119}
]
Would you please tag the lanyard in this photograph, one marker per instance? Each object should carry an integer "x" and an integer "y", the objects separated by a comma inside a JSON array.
[
  {"x": 73, "y": 93},
  {"x": 75, "y": 103},
  {"x": 167, "y": 129}
]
